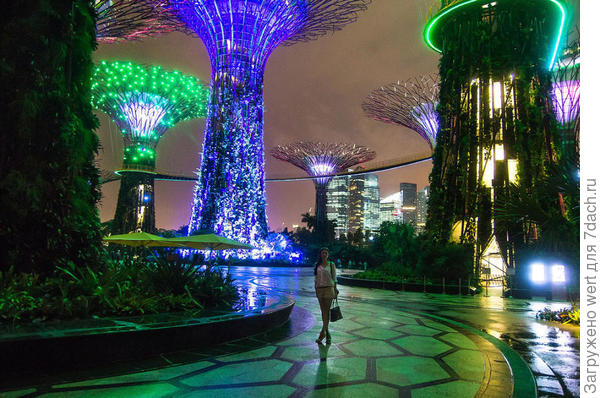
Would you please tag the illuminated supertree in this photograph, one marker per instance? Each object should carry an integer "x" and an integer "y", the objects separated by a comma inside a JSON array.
[
  {"x": 411, "y": 103},
  {"x": 133, "y": 20},
  {"x": 565, "y": 100},
  {"x": 240, "y": 35},
  {"x": 318, "y": 158},
  {"x": 144, "y": 102},
  {"x": 494, "y": 112}
]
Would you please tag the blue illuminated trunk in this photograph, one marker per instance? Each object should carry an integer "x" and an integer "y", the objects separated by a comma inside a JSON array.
[{"x": 230, "y": 194}]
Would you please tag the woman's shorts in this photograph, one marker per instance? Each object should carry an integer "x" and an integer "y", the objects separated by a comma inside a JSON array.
[{"x": 325, "y": 293}]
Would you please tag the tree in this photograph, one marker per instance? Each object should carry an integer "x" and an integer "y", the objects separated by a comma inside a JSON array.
[
  {"x": 49, "y": 185},
  {"x": 309, "y": 220}
]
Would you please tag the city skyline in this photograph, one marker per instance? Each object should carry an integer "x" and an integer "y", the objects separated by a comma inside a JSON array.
[{"x": 306, "y": 97}]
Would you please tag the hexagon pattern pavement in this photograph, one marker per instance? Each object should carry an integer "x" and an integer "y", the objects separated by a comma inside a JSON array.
[{"x": 377, "y": 351}]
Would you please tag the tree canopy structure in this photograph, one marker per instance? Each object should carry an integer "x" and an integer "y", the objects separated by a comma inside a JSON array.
[
  {"x": 411, "y": 103},
  {"x": 495, "y": 118},
  {"x": 322, "y": 159},
  {"x": 240, "y": 35},
  {"x": 118, "y": 20},
  {"x": 144, "y": 102}
]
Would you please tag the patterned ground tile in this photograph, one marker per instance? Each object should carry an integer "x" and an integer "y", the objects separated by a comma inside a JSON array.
[
  {"x": 401, "y": 318},
  {"x": 404, "y": 371},
  {"x": 421, "y": 345},
  {"x": 453, "y": 389},
  {"x": 418, "y": 330},
  {"x": 437, "y": 325},
  {"x": 459, "y": 340},
  {"x": 152, "y": 375},
  {"x": 371, "y": 348},
  {"x": 468, "y": 364},
  {"x": 371, "y": 321},
  {"x": 332, "y": 371},
  {"x": 345, "y": 325},
  {"x": 376, "y": 333},
  {"x": 264, "y": 352},
  {"x": 276, "y": 391},
  {"x": 154, "y": 390},
  {"x": 267, "y": 370},
  {"x": 363, "y": 390},
  {"x": 312, "y": 351},
  {"x": 377, "y": 340}
]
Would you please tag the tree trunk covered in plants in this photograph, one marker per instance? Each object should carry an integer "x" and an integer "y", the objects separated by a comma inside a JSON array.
[
  {"x": 48, "y": 181},
  {"x": 494, "y": 114},
  {"x": 135, "y": 205}
]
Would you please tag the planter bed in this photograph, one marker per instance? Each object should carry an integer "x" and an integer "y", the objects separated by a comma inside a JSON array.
[{"x": 88, "y": 342}]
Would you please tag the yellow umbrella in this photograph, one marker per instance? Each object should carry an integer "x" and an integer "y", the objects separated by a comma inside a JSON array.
[
  {"x": 210, "y": 242},
  {"x": 137, "y": 239}
]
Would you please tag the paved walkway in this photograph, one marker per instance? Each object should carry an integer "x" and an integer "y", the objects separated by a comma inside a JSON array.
[{"x": 388, "y": 344}]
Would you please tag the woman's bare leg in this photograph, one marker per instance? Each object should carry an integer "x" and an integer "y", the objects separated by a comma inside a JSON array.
[{"x": 325, "y": 313}]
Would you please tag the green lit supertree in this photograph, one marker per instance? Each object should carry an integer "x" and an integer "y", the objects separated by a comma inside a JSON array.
[
  {"x": 496, "y": 120},
  {"x": 144, "y": 102}
]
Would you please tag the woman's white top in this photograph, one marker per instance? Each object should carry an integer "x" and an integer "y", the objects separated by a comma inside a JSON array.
[{"x": 323, "y": 278}]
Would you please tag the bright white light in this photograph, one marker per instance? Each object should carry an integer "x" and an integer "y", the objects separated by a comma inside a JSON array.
[
  {"x": 322, "y": 169},
  {"x": 537, "y": 273},
  {"x": 143, "y": 112},
  {"x": 558, "y": 273}
]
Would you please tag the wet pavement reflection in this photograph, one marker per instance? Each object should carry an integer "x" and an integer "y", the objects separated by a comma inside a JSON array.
[{"x": 550, "y": 349}]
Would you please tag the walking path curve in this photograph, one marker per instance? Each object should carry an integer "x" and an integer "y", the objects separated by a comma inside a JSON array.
[{"x": 388, "y": 344}]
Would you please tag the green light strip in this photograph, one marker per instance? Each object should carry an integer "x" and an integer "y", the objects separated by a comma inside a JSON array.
[
  {"x": 562, "y": 25},
  {"x": 434, "y": 21},
  {"x": 431, "y": 24}
]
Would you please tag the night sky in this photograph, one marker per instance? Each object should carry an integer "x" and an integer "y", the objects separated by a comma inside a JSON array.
[{"x": 313, "y": 91}]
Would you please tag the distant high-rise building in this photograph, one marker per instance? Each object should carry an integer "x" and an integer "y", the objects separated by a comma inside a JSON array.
[
  {"x": 408, "y": 202},
  {"x": 390, "y": 208},
  {"x": 354, "y": 203},
  {"x": 337, "y": 204},
  {"x": 422, "y": 198},
  {"x": 371, "y": 203}
]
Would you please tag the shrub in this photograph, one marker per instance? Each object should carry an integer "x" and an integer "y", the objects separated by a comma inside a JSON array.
[
  {"x": 127, "y": 287},
  {"x": 564, "y": 315}
]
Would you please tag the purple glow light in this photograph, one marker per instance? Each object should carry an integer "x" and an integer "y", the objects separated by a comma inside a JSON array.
[
  {"x": 318, "y": 167},
  {"x": 565, "y": 99},
  {"x": 427, "y": 117}
]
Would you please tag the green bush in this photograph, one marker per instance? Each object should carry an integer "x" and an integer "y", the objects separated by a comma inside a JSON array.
[
  {"x": 127, "y": 287},
  {"x": 404, "y": 253},
  {"x": 564, "y": 315}
]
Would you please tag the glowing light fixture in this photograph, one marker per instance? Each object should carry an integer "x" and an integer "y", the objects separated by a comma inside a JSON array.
[
  {"x": 558, "y": 273},
  {"x": 538, "y": 273}
]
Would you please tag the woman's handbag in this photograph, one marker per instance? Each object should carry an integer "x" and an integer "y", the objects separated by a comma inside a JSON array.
[{"x": 335, "y": 313}]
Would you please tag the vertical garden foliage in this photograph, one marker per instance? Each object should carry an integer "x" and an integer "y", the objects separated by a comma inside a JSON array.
[
  {"x": 507, "y": 43},
  {"x": 48, "y": 181}
]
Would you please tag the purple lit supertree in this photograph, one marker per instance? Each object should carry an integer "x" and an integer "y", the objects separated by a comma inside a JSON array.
[
  {"x": 240, "y": 35},
  {"x": 411, "y": 103},
  {"x": 565, "y": 99},
  {"x": 144, "y": 102},
  {"x": 322, "y": 159},
  {"x": 134, "y": 19}
]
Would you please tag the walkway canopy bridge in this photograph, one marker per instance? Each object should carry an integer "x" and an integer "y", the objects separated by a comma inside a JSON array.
[{"x": 370, "y": 167}]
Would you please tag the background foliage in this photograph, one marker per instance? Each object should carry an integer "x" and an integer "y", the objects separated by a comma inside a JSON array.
[{"x": 48, "y": 181}]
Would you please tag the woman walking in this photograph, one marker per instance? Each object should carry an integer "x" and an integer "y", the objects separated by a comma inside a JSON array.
[{"x": 326, "y": 289}]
